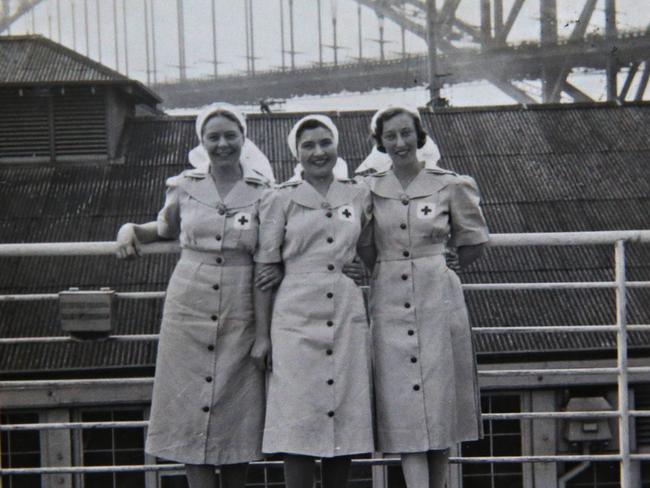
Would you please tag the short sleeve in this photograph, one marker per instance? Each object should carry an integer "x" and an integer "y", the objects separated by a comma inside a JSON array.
[
  {"x": 468, "y": 227},
  {"x": 271, "y": 229},
  {"x": 367, "y": 233},
  {"x": 169, "y": 217}
]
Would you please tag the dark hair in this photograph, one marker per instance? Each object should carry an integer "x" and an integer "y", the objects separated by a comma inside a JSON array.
[
  {"x": 310, "y": 124},
  {"x": 227, "y": 115},
  {"x": 389, "y": 114}
]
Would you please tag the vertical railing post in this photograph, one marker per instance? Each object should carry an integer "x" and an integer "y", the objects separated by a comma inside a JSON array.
[{"x": 621, "y": 344}]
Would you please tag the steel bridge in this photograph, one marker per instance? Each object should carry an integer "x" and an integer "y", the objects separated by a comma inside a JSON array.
[{"x": 458, "y": 50}]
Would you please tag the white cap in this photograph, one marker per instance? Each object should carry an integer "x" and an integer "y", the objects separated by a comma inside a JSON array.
[
  {"x": 251, "y": 156},
  {"x": 340, "y": 169},
  {"x": 379, "y": 161}
]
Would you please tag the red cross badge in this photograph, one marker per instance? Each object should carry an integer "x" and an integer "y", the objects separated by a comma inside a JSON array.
[
  {"x": 242, "y": 220},
  {"x": 425, "y": 210},
  {"x": 346, "y": 213}
]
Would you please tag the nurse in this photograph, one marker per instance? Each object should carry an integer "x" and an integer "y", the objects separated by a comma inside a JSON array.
[
  {"x": 319, "y": 394},
  {"x": 208, "y": 395},
  {"x": 427, "y": 397}
]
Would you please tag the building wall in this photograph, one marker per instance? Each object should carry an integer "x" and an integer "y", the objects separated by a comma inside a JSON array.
[{"x": 125, "y": 446}]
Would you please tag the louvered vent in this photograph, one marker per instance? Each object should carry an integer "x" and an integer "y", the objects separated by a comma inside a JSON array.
[
  {"x": 24, "y": 125},
  {"x": 53, "y": 123},
  {"x": 79, "y": 123},
  {"x": 642, "y": 401}
]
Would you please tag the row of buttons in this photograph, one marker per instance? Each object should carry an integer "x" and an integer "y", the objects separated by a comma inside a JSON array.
[{"x": 214, "y": 318}]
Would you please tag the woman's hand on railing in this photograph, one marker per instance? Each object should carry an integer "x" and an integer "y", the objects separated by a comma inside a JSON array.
[
  {"x": 261, "y": 353},
  {"x": 128, "y": 244},
  {"x": 268, "y": 276},
  {"x": 355, "y": 272}
]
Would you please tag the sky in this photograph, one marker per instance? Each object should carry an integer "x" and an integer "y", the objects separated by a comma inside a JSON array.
[{"x": 231, "y": 40}]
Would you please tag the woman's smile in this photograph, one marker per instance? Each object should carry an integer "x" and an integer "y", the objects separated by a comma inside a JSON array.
[
  {"x": 400, "y": 138},
  {"x": 317, "y": 152},
  {"x": 222, "y": 139}
]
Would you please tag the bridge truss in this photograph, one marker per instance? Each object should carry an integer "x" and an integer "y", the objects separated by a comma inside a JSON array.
[{"x": 459, "y": 52}]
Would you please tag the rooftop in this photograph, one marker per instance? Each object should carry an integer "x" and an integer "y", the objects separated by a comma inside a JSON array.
[
  {"x": 36, "y": 60},
  {"x": 542, "y": 169}
]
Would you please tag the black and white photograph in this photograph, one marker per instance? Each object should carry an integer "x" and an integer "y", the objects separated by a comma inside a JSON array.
[{"x": 324, "y": 244}]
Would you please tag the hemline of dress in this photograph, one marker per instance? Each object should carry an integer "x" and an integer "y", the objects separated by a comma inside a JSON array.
[
  {"x": 237, "y": 458},
  {"x": 307, "y": 452},
  {"x": 430, "y": 447}
]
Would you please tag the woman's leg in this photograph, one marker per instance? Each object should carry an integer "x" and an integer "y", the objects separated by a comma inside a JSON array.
[
  {"x": 298, "y": 471},
  {"x": 335, "y": 471},
  {"x": 415, "y": 467},
  {"x": 201, "y": 476},
  {"x": 438, "y": 463},
  {"x": 233, "y": 475}
]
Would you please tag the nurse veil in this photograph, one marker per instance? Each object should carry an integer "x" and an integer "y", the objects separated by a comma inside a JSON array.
[
  {"x": 378, "y": 162},
  {"x": 251, "y": 157},
  {"x": 340, "y": 170}
]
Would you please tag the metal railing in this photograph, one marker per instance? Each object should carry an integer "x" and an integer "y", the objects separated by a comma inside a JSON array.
[{"x": 622, "y": 370}]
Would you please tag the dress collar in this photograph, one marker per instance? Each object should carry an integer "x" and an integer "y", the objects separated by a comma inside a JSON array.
[
  {"x": 338, "y": 194},
  {"x": 245, "y": 192},
  {"x": 424, "y": 184}
]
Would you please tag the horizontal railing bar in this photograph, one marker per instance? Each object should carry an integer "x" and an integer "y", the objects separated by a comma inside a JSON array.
[
  {"x": 148, "y": 381},
  {"x": 559, "y": 328},
  {"x": 132, "y": 424},
  {"x": 497, "y": 240},
  {"x": 539, "y": 286},
  {"x": 637, "y": 284},
  {"x": 356, "y": 462},
  {"x": 560, "y": 372},
  {"x": 536, "y": 372},
  {"x": 84, "y": 382},
  {"x": 483, "y": 330},
  {"x": 98, "y": 248},
  {"x": 551, "y": 285},
  {"x": 34, "y": 297},
  {"x": 59, "y": 339},
  {"x": 569, "y": 238},
  {"x": 569, "y": 285},
  {"x": 147, "y": 295},
  {"x": 29, "y": 297}
]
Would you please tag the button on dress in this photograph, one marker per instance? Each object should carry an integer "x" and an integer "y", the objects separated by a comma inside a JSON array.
[
  {"x": 424, "y": 366},
  {"x": 208, "y": 397},
  {"x": 319, "y": 394}
]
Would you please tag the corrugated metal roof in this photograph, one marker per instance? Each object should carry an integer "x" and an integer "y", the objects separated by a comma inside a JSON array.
[
  {"x": 36, "y": 60},
  {"x": 546, "y": 169}
]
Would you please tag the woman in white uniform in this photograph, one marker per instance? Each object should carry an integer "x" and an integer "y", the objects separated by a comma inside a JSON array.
[
  {"x": 208, "y": 396},
  {"x": 427, "y": 398},
  {"x": 319, "y": 394}
]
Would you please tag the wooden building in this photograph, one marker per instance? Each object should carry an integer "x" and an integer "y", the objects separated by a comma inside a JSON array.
[{"x": 83, "y": 149}]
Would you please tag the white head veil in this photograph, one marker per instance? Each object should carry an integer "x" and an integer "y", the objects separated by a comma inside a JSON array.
[
  {"x": 340, "y": 169},
  {"x": 379, "y": 161},
  {"x": 251, "y": 156}
]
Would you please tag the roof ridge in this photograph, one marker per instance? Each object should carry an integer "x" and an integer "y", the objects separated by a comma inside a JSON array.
[
  {"x": 84, "y": 68},
  {"x": 80, "y": 57}
]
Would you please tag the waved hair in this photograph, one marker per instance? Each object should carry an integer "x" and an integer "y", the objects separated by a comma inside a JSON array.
[
  {"x": 389, "y": 114},
  {"x": 227, "y": 115}
]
